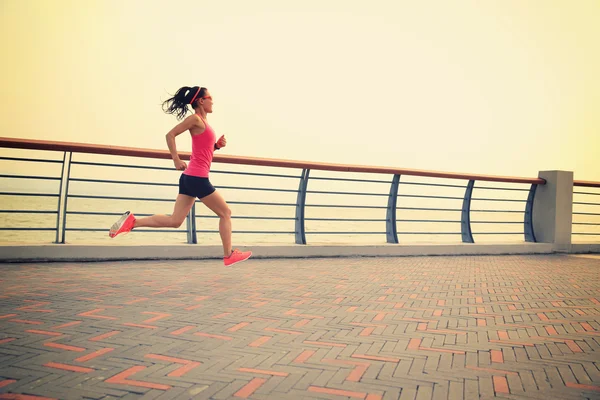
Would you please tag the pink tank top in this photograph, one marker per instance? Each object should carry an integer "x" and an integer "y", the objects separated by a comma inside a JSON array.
[{"x": 203, "y": 147}]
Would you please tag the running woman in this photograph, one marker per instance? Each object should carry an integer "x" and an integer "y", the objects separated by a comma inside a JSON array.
[{"x": 194, "y": 182}]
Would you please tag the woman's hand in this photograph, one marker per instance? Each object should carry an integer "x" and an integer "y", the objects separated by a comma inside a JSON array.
[
  {"x": 180, "y": 165},
  {"x": 222, "y": 142}
]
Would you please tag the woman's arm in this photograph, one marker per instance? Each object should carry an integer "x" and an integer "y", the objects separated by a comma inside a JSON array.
[{"x": 183, "y": 126}]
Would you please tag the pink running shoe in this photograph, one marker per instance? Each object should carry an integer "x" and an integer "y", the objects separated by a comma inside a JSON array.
[
  {"x": 123, "y": 225},
  {"x": 236, "y": 257}
]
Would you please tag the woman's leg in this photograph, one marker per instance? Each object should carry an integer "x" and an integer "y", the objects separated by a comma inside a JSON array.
[
  {"x": 217, "y": 204},
  {"x": 183, "y": 205}
]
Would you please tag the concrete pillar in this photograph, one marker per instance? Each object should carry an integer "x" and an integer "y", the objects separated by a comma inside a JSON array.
[{"x": 553, "y": 210}]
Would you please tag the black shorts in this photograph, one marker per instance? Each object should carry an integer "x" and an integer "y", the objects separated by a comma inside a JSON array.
[{"x": 195, "y": 186}]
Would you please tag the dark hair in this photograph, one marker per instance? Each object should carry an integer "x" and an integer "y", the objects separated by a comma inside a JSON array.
[{"x": 178, "y": 104}]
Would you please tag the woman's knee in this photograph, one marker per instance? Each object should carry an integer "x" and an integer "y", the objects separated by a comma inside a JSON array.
[
  {"x": 225, "y": 212},
  {"x": 176, "y": 222}
]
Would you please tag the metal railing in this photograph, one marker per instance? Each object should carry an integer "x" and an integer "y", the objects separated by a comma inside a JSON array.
[
  {"x": 394, "y": 197},
  {"x": 584, "y": 212}
]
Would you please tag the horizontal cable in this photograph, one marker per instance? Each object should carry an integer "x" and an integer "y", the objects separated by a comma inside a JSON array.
[
  {"x": 348, "y": 180},
  {"x": 255, "y": 174},
  {"x": 496, "y": 222},
  {"x": 82, "y": 196},
  {"x": 350, "y": 193},
  {"x": 28, "y": 229},
  {"x": 28, "y": 211},
  {"x": 249, "y": 217},
  {"x": 344, "y": 233},
  {"x": 432, "y": 184},
  {"x": 254, "y": 203},
  {"x": 345, "y": 219},
  {"x": 342, "y": 206},
  {"x": 585, "y": 223},
  {"x": 31, "y": 160},
  {"x": 586, "y": 233},
  {"x": 48, "y": 178},
  {"x": 259, "y": 232},
  {"x": 511, "y": 200},
  {"x": 587, "y": 204},
  {"x": 428, "y": 233},
  {"x": 428, "y": 209},
  {"x": 136, "y": 230},
  {"x": 497, "y": 233},
  {"x": 263, "y": 189},
  {"x": 430, "y": 197},
  {"x": 122, "y": 182},
  {"x": 28, "y": 194},
  {"x": 426, "y": 220},
  {"x": 96, "y": 164},
  {"x": 506, "y": 211},
  {"x": 501, "y": 188},
  {"x": 582, "y": 213},
  {"x": 103, "y": 213},
  {"x": 588, "y": 193}
]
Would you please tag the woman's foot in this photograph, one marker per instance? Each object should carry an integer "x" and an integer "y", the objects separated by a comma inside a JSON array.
[
  {"x": 236, "y": 256},
  {"x": 123, "y": 225}
]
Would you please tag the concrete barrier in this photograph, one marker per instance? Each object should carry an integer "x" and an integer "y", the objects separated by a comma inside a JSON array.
[{"x": 76, "y": 252}]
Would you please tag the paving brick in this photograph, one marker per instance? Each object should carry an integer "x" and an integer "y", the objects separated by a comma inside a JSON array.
[
  {"x": 582, "y": 376},
  {"x": 486, "y": 387},
  {"x": 408, "y": 394},
  {"x": 440, "y": 391},
  {"x": 288, "y": 383},
  {"x": 293, "y": 394},
  {"x": 424, "y": 393},
  {"x": 456, "y": 390},
  {"x": 515, "y": 384},
  {"x": 554, "y": 377},
  {"x": 333, "y": 376},
  {"x": 210, "y": 391},
  {"x": 541, "y": 379},
  {"x": 528, "y": 381},
  {"x": 307, "y": 379}
]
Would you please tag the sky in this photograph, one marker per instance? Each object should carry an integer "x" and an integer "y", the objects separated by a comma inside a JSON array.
[{"x": 489, "y": 87}]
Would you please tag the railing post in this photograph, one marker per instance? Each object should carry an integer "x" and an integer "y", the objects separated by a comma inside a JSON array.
[
  {"x": 194, "y": 237},
  {"x": 553, "y": 210},
  {"x": 188, "y": 227},
  {"x": 300, "y": 203},
  {"x": 60, "y": 197},
  {"x": 191, "y": 226},
  {"x": 391, "y": 233},
  {"x": 528, "y": 220},
  {"x": 68, "y": 158},
  {"x": 465, "y": 220}
]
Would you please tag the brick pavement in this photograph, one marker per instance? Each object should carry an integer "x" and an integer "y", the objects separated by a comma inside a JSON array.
[{"x": 358, "y": 328}]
